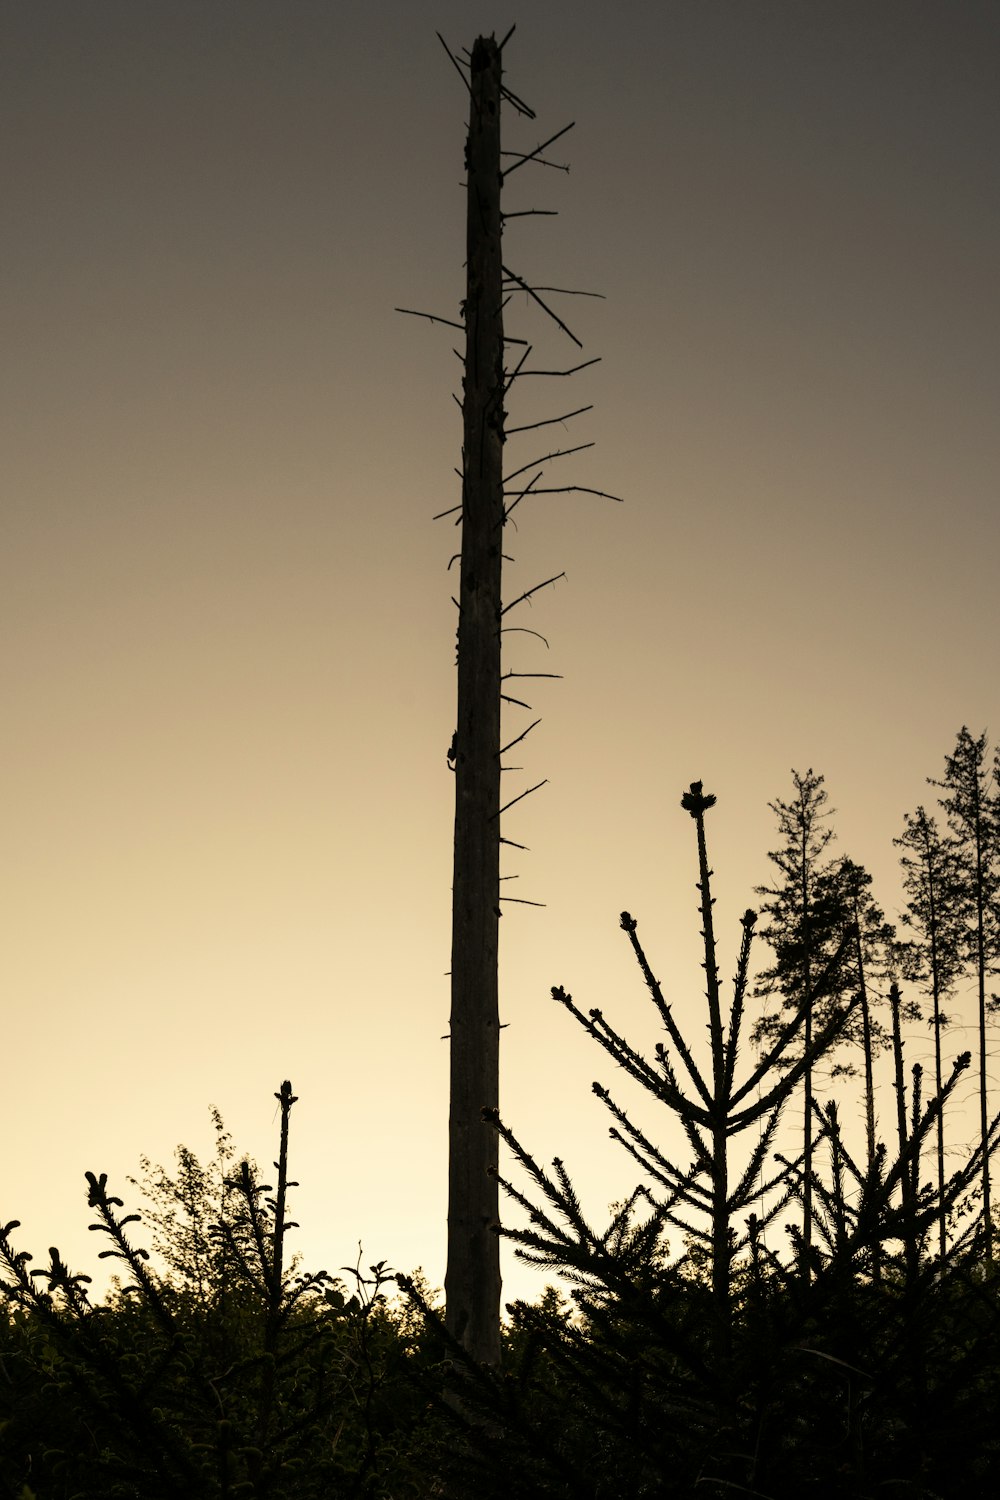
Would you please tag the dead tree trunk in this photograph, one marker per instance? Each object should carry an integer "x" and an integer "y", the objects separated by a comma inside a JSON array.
[{"x": 472, "y": 1279}]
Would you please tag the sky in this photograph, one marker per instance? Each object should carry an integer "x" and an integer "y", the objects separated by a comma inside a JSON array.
[{"x": 227, "y": 629}]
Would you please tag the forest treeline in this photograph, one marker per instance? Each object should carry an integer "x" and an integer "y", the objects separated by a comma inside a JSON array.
[{"x": 803, "y": 1303}]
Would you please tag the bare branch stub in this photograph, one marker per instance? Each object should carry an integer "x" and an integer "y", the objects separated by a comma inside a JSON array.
[
  {"x": 524, "y": 630},
  {"x": 535, "y": 155},
  {"x": 523, "y": 735},
  {"x": 528, "y": 592},
  {"x": 472, "y": 1279},
  {"x": 566, "y": 416},
  {"x": 521, "y": 795},
  {"x": 555, "y": 675},
  {"x": 573, "y": 370},
  {"x": 520, "y": 496},
  {"x": 565, "y": 291},
  {"x": 581, "y": 489},
  {"x": 431, "y": 317},
  {"x": 519, "y": 104},
  {"x": 541, "y": 161},
  {"x": 513, "y": 276},
  {"x": 548, "y": 458},
  {"x": 510, "y": 375},
  {"x": 455, "y": 62}
]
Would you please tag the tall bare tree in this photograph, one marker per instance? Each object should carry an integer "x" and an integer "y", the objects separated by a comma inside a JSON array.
[
  {"x": 472, "y": 1279},
  {"x": 472, "y": 1282}
]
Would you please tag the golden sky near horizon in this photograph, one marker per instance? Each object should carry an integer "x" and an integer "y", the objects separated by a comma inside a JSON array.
[{"x": 227, "y": 635}]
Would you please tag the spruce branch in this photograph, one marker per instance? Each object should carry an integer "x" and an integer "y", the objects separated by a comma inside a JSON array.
[
  {"x": 624, "y": 1055},
  {"x": 629, "y": 926},
  {"x": 788, "y": 1031},
  {"x": 122, "y": 1249},
  {"x": 748, "y": 921}
]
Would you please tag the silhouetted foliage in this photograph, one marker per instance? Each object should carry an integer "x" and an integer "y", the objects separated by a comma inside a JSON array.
[
  {"x": 706, "y": 1343},
  {"x": 845, "y": 1368},
  {"x": 228, "y": 1373},
  {"x": 870, "y": 960},
  {"x": 809, "y": 930}
]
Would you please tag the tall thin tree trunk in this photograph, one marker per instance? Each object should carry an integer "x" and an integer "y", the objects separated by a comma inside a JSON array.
[
  {"x": 907, "y": 1187},
  {"x": 472, "y": 1280},
  {"x": 866, "y": 1041},
  {"x": 974, "y": 816},
  {"x": 866, "y": 1035},
  {"x": 942, "y": 1216},
  {"x": 981, "y": 965},
  {"x": 807, "y": 1039}
]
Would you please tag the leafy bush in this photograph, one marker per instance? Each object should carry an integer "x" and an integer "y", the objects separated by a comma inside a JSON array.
[{"x": 229, "y": 1373}]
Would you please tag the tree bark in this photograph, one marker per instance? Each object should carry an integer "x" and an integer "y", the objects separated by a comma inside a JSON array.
[{"x": 472, "y": 1280}]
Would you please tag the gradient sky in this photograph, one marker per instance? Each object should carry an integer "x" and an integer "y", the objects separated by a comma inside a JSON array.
[{"x": 228, "y": 641}]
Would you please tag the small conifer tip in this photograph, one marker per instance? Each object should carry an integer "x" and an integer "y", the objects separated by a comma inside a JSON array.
[{"x": 697, "y": 802}]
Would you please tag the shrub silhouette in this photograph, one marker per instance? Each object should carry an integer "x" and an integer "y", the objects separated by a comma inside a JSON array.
[
  {"x": 231, "y": 1373},
  {"x": 846, "y": 1367}
]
